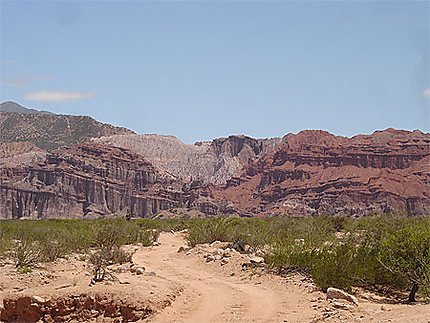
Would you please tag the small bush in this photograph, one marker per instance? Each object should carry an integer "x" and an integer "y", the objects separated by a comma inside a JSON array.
[
  {"x": 27, "y": 253},
  {"x": 209, "y": 230},
  {"x": 99, "y": 260},
  {"x": 108, "y": 234}
]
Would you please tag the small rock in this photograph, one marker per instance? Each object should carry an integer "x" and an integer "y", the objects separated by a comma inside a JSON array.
[
  {"x": 224, "y": 261},
  {"x": 218, "y": 257},
  {"x": 214, "y": 243},
  {"x": 121, "y": 269},
  {"x": 256, "y": 260},
  {"x": 156, "y": 243},
  {"x": 210, "y": 258},
  {"x": 39, "y": 299},
  {"x": 183, "y": 249},
  {"x": 140, "y": 271},
  {"x": 226, "y": 254},
  {"x": 342, "y": 306},
  {"x": 137, "y": 270},
  {"x": 334, "y": 293}
]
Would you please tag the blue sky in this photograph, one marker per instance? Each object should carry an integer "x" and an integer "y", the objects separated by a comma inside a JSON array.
[{"x": 200, "y": 70}]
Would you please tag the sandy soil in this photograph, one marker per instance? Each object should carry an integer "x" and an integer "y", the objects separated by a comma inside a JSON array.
[{"x": 184, "y": 287}]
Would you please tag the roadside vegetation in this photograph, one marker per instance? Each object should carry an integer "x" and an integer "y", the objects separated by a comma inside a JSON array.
[{"x": 384, "y": 252}]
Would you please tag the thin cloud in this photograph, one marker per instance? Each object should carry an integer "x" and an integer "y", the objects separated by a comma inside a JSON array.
[
  {"x": 21, "y": 80},
  {"x": 426, "y": 93},
  {"x": 58, "y": 96}
]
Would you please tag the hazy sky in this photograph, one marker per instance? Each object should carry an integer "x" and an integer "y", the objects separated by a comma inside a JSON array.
[{"x": 200, "y": 70}]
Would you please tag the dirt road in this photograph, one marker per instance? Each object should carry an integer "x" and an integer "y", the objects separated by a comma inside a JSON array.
[
  {"x": 211, "y": 296},
  {"x": 183, "y": 287},
  {"x": 216, "y": 293}
]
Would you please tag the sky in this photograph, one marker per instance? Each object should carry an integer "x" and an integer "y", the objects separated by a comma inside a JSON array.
[{"x": 201, "y": 70}]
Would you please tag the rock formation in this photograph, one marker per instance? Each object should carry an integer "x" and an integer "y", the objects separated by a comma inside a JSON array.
[
  {"x": 212, "y": 162},
  {"x": 309, "y": 173},
  {"x": 92, "y": 180},
  {"x": 316, "y": 173}
]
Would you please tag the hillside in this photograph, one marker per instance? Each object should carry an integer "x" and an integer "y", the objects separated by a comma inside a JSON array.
[
  {"x": 9, "y": 106},
  {"x": 50, "y": 131}
]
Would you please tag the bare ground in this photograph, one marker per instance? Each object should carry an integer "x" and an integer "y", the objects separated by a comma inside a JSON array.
[{"x": 183, "y": 287}]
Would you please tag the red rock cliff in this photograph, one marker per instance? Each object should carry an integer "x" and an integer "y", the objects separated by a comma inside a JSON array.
[{"x": 315, "y": 173}]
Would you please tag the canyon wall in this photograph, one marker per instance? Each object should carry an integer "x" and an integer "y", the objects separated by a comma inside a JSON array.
[
  {"x": 91, "y": 180},
  {"x": 317, "y": 173}
]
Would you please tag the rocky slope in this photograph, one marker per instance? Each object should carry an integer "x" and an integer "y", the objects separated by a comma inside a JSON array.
[
  {"x": 212, "y": 162},
  {"x": 316, "y": 173},
  {"x": 92, "y": 180},
  {"x": 50, "y": 131}
]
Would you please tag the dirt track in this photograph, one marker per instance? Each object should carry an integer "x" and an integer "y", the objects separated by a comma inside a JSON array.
[
  {"x": 215, "y": 293},
  {"x": 210, "y": 296},
  {"x": 183, "y": 287}
]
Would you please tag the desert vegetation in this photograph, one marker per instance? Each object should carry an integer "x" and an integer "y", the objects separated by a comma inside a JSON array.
[{"x": 388, "y": 252}]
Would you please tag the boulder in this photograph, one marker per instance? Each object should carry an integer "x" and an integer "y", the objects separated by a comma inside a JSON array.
[{"x": 334, "y": 293}]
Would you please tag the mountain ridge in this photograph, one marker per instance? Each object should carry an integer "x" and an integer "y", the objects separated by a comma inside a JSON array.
[{"x": 10, "y": 106}]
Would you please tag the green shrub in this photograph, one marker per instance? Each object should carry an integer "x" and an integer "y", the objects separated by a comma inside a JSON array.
[
  {"x": 386, "y": 250},
  {"x": 406, "y": 254},
  {"x": 209, "y": 230},
  {"x": 27, "y": 253}
]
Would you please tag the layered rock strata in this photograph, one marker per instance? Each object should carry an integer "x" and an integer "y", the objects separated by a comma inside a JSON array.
[
  {"x": 93, "y": 180},
  {"x": 211, "y": 162},
  {"x": 317, "y": 173}
]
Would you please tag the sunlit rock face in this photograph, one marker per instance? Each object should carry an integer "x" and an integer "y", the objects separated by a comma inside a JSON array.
[{"x": 317, "y": 173}]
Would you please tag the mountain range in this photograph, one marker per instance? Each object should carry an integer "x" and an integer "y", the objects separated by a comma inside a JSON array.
[{"x": 62, "y": 166}]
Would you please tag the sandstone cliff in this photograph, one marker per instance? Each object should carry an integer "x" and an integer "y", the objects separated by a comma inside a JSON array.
[{"x": 316, "y": 173}]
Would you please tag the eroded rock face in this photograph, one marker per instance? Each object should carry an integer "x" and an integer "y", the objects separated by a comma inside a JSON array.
[
  {"x": 212, "y": 162},
  {"x": 305, "y": 174},
  {"x": 316, "y": 173},
  {"x": 92, "y": 180}
]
